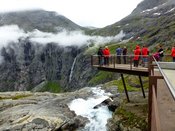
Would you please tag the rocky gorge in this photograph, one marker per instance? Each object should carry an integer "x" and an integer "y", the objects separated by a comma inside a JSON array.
[
  {"x": 35, "y": 69},
  {"x": 52, "y": 111}
]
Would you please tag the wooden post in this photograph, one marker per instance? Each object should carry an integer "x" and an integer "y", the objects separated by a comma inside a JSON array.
[
  {"x": 142, "y": 86},
  {"x": 126, "y": 92}
]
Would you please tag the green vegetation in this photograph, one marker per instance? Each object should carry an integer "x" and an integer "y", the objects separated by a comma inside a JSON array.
[
  {"x": 52, "y": 86},
  {"x": 101, "y": 77},
  {"x": 129, "y": 119},
  {"x": 16, "y": 97},
  {"x": 132, "y": 82},
  {"x": 20, "y": 96}
]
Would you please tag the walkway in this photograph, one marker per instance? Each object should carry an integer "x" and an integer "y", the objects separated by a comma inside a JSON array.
[
  {"x": 166, "y": 106},
  {"x": 124, "y": 68}
]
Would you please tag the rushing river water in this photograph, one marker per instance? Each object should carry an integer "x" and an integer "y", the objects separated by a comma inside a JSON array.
[{"x": 97, "y": 117}]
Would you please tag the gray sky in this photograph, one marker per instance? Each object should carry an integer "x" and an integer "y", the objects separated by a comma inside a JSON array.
[{"x": 97, "y": 13}]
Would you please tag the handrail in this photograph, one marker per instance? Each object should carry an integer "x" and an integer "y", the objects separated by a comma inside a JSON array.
[
  {"x": 169, "y": 85},
  {"x": 154, "y": 116}
]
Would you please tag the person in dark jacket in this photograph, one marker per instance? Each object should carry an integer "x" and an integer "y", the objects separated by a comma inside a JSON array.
[
  {"x": 100, "y": 56},
  {"x": 119, "y": 52},
  {"x": 160, "y": 53}
]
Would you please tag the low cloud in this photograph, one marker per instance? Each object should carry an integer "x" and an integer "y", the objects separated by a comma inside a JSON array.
[
  {"x": 10, "y": 34},
  {"x": 13, "y": 33}
]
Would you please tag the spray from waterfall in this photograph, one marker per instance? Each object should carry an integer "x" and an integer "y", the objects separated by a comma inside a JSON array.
[{"x": 72, "y": 68}]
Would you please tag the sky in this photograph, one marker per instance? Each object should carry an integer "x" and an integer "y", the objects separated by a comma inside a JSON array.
[{"x": 96, "y": 13}]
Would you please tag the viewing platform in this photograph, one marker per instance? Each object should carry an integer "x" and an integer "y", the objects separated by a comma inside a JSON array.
[{"x": 161, "y": 94}]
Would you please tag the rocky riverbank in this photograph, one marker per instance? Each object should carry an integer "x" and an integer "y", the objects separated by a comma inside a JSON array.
[
  {"x": 40, "y": 111},
  {"x": 49, "y": 111},
  {"x": 130, "y": 116}
]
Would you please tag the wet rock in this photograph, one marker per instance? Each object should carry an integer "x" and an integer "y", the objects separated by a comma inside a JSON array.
[
  {"x": 40, "y": 111},
  {"x": 77, "y": 122},
  {"x": 112, "y": 103}
]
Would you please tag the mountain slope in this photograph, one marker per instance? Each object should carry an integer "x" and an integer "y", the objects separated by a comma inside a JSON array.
[
  {"x": 38, "y": 19},
  {"x": 153, "y": 23},
  {"x": 148, "y": 4}
]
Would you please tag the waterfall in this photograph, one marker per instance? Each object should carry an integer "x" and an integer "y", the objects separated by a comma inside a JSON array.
[
  {"x": 97, "y": 117},
  {"x": 72, "y": 68}
]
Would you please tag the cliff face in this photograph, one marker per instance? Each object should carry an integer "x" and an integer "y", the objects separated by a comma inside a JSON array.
[{"x": 26, "y": 64}]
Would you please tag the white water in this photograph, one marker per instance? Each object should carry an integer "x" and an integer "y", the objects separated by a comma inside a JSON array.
[
  {"x": 72, "y": 68},
  {"x": 98, "y": 117}
]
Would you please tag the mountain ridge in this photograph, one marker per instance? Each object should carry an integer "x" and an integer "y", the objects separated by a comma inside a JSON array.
[{"x": 47, "y": 21}]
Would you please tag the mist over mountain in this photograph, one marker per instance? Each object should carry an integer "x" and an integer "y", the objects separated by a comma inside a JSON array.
[{"x": 40, "y": 48}]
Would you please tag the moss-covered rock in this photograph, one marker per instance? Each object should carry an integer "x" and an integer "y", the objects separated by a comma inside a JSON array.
[{"x": 130, "y": 116}]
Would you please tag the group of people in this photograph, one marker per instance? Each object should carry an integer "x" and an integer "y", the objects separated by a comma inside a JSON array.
[{"x": 140, "y": 54}]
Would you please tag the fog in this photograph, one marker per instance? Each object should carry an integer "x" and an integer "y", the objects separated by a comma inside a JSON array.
[{"x": 12, "y": 33}]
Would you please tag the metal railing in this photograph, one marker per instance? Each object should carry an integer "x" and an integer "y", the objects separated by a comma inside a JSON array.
[
  {"x": 154, "y": 116},
  {"x": 117, "y": 60},
  {"x": 166, "y": 64}
]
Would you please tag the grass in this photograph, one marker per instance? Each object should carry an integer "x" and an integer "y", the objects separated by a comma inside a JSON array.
[
  {"x": 16, "y": 97},
  {"x": 52, "y": 86},
  {"x": 20, "y": 96},
  {"x": 131, "y": 83},
  {"x": 129, "y": 119},
  {"x": 101, "y": 77}
]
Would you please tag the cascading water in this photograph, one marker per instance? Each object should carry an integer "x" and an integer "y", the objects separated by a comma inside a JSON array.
[
  {"x": 72, "y": 68},
  {"x": 97, "y": 117}
]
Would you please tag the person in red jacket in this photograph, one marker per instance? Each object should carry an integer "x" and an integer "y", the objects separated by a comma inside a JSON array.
[
  {"x": 145, "y": 53},
  {"x": 106, "y": 53},
  {"x": 173, "y": 53},
  {"x": 137, "y": 53}
]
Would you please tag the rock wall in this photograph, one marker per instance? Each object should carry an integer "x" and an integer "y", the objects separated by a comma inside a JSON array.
[{"x": 26, "y": 65}]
